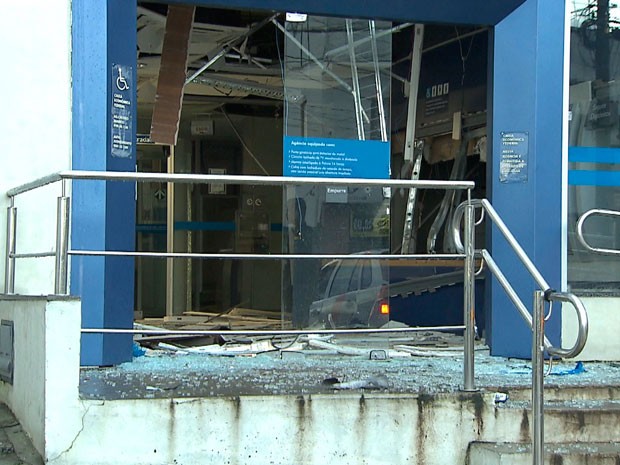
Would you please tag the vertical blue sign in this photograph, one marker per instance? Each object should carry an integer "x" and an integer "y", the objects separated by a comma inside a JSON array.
[
  {"x": 122, "y": 118},
  {"x": 336, "y": 158},
  {"x": 513, "y": 157}
]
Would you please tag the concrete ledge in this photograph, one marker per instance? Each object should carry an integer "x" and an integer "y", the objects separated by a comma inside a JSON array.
[
  {"x": 44, "y": 393},
  {"x": 38, "y": 298},
  {"x": 481, "y": 453}
]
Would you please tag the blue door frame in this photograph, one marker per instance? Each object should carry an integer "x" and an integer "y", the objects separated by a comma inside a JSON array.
[{"x": 526, "y": 96}]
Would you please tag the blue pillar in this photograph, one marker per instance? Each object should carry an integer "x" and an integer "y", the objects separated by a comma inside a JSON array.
[
  {"x": 103, "y": 214},
  {"x": 528, "y": 98}
]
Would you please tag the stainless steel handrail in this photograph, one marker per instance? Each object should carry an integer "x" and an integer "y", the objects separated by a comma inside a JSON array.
[
  {"x": 62, "y": 234},
  {"x": 538, "y": 354},
  {"x": 581, "y": 238},
  {"x": 510, "y": 292},
  {"x": 582, "y": 322},
  {"x": 536, "y": 320},
  {"x": 269, "y": 332},
  {"x": 550, "y": 294},
  {"x": 62, "y": 251},
  {"x": 251, "y": 256},
  {"x": 512, "y": 241},
  {"x": 234, "y": 179}
]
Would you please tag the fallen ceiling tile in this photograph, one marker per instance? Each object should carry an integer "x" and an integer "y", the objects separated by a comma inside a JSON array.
[{"x": 172, "y": 74}]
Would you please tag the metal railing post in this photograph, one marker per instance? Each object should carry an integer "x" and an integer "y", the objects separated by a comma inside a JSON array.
[
  {"x": 9, "y": 264},
  {"x": 62, "y": 245},
  {"x": 538, "y": 350},
  {"x": 170, "y": 191},
  {"x": 469, "y": 300}
]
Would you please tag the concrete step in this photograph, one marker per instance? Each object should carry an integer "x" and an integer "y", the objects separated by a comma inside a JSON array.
[
  {"x": 574, "y": 421},
  {"x": 556, "y": 393},
  {"x": 590, "y": 453},
  {"x": 589, "y": 416}
]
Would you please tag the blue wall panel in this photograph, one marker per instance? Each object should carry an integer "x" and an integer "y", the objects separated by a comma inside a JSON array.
[
  {"x": 103, "y": 215},
  {"x": 528, "y": 97}
]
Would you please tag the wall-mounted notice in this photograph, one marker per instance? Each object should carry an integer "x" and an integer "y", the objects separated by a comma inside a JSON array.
[
  {"x": 336, "y": 158},
  {"x": 122, "y": 112},
  {"x": 437, "y": 99},
  {"x": 513, "y": 157}
]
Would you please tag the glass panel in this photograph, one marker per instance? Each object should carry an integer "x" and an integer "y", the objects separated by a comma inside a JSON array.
[
  {"x": 594, "y": 142},
  {"x": 342, "y": 279},
  {"x": 354, "y": 283},
  {"x": 325, "y": 275},
  {"x": 337, "y": 90},
  {"x": 337, "y": 78},
  {"x": 366, "y": 275}
]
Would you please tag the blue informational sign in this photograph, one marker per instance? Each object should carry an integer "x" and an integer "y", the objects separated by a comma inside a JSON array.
[
  {"x": 336, "y": 158},
  {"x": 122, "y": 117},
  {"x": 513, "y": 157}
]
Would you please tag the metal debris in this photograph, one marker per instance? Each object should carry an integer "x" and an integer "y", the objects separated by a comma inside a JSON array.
[
  {"x": 372, "y": 382},
  {"x": 356, "y": 351}
]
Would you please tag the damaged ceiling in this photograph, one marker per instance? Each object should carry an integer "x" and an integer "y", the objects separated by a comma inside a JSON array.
[
  {"x": 242, "y": 52},
  {"x": 245, "y": 65}
]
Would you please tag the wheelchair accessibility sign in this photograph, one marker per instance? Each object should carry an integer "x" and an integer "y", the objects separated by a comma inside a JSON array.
[{"x": 122, "y": 111}]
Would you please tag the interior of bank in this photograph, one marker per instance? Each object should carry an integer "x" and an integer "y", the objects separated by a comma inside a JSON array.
[
  {"x": 258, "y": 82},
  {"x": 257, "y": 85}
]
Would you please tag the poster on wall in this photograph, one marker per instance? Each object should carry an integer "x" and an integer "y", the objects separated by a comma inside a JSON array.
[
  {"x": 336, "y": 158},
  {"x": 513, "y": 157},
  {"x": 122, "y": 111}
]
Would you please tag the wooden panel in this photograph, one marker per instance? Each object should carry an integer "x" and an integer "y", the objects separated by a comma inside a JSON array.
[{"x": 172, "y": 74}]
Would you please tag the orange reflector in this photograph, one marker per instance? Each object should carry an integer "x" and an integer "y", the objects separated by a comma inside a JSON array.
[{"x": 385, "y": 309}]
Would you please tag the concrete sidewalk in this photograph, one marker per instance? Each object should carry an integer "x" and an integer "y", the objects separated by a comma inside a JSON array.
[{"x": 15, "y": 446}]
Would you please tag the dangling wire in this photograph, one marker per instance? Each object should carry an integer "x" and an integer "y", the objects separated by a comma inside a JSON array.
[
  {"x": 481, "y": 219},
  {"x": 285, "y": 100},
  {"x": 550, "y": 366},
  {"x": 550, "y": 311},
  {"x": 285, "y": 345},
  {"x": 464, "y": 57}
]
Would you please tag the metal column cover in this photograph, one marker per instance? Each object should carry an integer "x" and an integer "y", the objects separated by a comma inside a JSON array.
[
  {"x": 528, "y": 97},
  {"x": 103, "y": 213}
]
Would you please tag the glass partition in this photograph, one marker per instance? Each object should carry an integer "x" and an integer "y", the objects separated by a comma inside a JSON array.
[
  {"x": 337, "y": 89},
  {"x": 594, "y": 142}
]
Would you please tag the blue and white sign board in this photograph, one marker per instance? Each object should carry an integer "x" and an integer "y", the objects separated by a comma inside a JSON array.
[
  {"x": 513, "y": 157},
  {"x": 122, "y": 115},
  {"x": 336, "y": 158}
]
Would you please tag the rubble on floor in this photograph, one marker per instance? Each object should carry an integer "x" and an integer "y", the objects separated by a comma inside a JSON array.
[{"x": 420, "y": 362}]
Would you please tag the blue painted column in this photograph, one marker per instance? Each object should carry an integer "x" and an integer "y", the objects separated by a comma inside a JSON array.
[
  {"x": 528, "y": 99},
  {"x": 103, "y": 214}
]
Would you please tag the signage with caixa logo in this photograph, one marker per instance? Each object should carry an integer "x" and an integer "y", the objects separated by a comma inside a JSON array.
[
  {"x": 336, "y": 158},
  {"x": 121, "y": 125}
]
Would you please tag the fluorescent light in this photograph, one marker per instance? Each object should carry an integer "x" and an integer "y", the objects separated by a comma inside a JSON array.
[{"x": 296, "y": 17}]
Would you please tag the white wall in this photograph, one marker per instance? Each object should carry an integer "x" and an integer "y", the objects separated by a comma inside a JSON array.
[
  {"x": 26, "y": 396},
  {"x": 35, "y": 90},
  {"x": 44, "y": 393},
  {"x": 604, "y": 326},
  {"x": 342, "y": 429}
]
